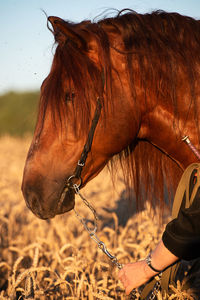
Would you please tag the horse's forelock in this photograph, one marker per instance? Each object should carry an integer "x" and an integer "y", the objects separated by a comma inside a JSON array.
[{"x": 73, "y": 71}]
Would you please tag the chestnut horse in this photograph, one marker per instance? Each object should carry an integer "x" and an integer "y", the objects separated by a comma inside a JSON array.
[{"x": 145, "y": 71}]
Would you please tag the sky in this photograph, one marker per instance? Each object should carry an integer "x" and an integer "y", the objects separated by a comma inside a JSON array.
[{"x": 26, "y": 51}]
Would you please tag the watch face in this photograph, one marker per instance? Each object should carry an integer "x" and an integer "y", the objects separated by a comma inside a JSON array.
[{"x": 148, "y": 260}]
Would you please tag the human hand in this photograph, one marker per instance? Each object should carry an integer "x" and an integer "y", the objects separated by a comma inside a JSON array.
[{"x": 134, "y": 275}]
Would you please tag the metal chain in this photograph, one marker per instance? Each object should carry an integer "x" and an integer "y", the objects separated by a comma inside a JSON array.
[
  {"x": 102, "y": 246},
  {"x": 92, "y": 232},
  {"x": 156, "y": 288},
  {"x": 82, "y": 220}
]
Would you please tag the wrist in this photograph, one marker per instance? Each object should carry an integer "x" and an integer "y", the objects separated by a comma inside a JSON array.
[
  {"x": 148, "y": 260},
  {"x": 149, "y": 268},
  {"x": 148, "y": 271}
]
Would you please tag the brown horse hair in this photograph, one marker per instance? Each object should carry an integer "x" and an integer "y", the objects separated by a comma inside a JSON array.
[{"x": 161, "y": 42}]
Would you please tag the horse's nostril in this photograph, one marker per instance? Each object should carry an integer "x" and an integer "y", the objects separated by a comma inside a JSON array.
[
  {"x": 32, "y": 200},
  {"x": 35, "y": 204}
]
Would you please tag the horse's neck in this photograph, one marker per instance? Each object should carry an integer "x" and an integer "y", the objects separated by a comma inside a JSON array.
[{"x": 164, "y": 131}]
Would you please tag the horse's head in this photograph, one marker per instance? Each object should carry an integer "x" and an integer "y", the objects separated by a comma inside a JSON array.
[
  {"x": 143, "y": 96},
  {"x": 68, "y": 100}
]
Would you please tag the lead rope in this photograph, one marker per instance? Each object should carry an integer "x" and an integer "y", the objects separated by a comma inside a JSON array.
[{"x": 103, "y": 248}]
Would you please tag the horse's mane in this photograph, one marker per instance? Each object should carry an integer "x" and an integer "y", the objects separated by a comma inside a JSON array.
[{"x": 162, "y": 43}]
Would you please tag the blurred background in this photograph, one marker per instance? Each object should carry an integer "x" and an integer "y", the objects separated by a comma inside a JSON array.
[{"x": 26, "y": 50}]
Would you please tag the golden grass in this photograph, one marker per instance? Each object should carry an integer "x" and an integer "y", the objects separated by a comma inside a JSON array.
[{"x": 56, "y": 259}]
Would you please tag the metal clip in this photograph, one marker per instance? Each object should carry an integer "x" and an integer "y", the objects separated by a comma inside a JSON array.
[
  {"x": 191, "y": 146},
  {"x": 80, "y": 164},
  {"x": 102, "y": 246}
]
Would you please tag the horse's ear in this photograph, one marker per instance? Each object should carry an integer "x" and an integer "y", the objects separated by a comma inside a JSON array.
[{"x": 63, "y": 31}]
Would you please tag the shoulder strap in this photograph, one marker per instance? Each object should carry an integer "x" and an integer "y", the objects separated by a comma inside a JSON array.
[{"x": 183, "y": 187}]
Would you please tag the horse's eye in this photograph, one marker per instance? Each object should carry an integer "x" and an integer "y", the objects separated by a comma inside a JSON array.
[{"x": 69, "y": 96}]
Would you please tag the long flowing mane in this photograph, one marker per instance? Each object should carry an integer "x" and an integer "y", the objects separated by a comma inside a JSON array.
[{"x": 161, "y": 43}]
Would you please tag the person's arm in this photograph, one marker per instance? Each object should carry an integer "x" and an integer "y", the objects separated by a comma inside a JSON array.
[{"x": 134, "y": 275}]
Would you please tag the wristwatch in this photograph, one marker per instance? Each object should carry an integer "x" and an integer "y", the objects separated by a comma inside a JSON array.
[{"x": 148, "y": 261}]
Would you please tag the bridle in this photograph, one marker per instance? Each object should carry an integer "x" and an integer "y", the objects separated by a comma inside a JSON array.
[
  {"x": 87, "y": 148},
  {"x": 88, "y": 144}
]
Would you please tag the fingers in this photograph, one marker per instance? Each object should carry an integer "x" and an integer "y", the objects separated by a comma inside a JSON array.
[
  {"x": 125, "y": 281},
  {"x": 132, "y": 276},
  {"x": 121, "y": 274},
  {"x": 128, "y": 289}
]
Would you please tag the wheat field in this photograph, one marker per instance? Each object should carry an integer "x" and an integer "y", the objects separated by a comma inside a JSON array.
[{"x": 56, "y": 259}]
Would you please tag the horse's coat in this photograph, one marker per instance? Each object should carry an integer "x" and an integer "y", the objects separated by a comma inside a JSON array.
[{"x": 145, "y": 69}]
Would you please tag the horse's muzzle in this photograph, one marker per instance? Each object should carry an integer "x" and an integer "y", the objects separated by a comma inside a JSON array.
[{"x": 48, "y": 207}]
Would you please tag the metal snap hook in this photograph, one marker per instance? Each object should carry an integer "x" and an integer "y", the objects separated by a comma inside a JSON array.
[{"x": 102, "y": 246}]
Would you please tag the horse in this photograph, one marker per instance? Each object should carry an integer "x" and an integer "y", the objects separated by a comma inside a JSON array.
[{"x": 140, "y": 74}]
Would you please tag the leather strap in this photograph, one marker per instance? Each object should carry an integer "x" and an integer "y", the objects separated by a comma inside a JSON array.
[{"x": 88, "y": 144}]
